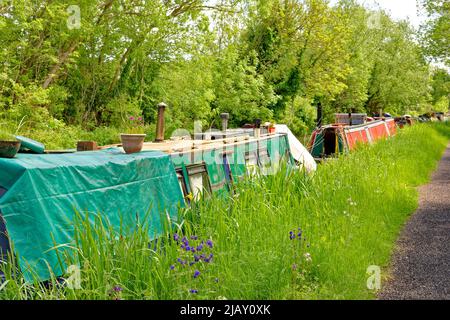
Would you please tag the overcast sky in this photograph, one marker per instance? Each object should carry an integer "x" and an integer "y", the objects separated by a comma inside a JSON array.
[{"x": 399, "y": 9}]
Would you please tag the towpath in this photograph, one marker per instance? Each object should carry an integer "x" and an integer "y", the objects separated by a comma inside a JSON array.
[{"x": 420, "y": 267}]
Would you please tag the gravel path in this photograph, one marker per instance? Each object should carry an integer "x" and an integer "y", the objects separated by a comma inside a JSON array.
[{"x": 420, "y": 267}]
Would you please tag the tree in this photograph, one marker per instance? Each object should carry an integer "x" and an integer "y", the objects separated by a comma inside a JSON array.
[{"x": 436, "y": 30}]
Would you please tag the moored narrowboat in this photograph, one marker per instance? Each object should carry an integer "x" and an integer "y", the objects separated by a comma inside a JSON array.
[
  {"x": 347, "y": 132},
  {"x": 40, "y": 193}
]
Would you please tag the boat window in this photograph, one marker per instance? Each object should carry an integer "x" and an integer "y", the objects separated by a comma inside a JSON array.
[
  {"x": 227, "y": 169},
  {"x": 198, "y": 179},
  {"x": 182, "y": 182}
]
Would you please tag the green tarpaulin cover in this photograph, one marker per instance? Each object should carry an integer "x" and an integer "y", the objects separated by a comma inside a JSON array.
[{"x": 44, "y": 190}]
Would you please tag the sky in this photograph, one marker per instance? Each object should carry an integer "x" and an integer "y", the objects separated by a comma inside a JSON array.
[{"x": 398, "y": 9}]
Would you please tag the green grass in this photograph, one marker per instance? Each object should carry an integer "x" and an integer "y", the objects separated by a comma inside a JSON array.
[{"x": 351, "y": 212}]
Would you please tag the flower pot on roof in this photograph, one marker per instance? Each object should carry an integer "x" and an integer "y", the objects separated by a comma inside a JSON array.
[
  {"x": 272, "y": 129},
  {"x": 9, "y": 146},
  {"x": 133, "y": 139}
]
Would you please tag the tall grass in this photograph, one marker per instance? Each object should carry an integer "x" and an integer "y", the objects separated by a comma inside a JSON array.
[{"x": 349, "y": 215}]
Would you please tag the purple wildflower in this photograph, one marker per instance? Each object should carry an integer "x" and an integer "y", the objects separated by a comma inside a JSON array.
[
  {"x": 132, "y": 118},
  {"x": 188, "y": 248},
  {"x": 196, "y": 257},
  {"x": 291, "y": 235},
  {"x": 200, "y": 247},
  {"x": 209, "y": 243},
  {"x": 172, "y": 267},
  {"x": 196, "y": 274},
  {"x": 176, "y": 237},
  {"x": 193, "y": 291},
  {"x": 194, "y": 237},
  {"x": 207, "y": 260},
  {"x": 192, "y": 249},
  {"x": 191, "y": 263},
  {"x": 117, "y": 289}
]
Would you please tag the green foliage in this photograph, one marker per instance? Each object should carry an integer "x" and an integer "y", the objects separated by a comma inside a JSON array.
[
  {"x": 240, "y": 90},
  {"x": 436, "y": 29},
  {"x": 271, "y": 59},
  {"x": 441, "y": 90},
  {"x": 341, "y": 210},
  {"x": 4, "y": 136}
]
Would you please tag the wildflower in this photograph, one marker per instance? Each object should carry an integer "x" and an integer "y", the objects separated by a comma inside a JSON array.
[
  {"x": 172, "y": 267},
  {"x": 207, "y": 260},
  {"x": 193, "y": 291},
  {"x": 351, "y": 202},
  {"x": 176, "y": 237},
  {"x": 194, "y": 237},
  {"x": 209, "y": 243},
  {"x": 191, "y": 263},
  {"x": 307, "y": 257},
  {"x": 200, "y": 247},
  {"x": 196, "y": 257},
  {"x": 196, "y": 274},
  {"x": 140, "y": 118},
  {"x": 192, "y": 249},
  {"x": 188, "y": 248},
  {"x": 291, "y": 235},
  {"x": 185, "y": 241},
  {"x": 132, "y": 118},
  {"x": 117, "y": 289}
]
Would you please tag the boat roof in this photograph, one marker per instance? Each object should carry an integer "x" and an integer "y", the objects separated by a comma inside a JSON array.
[{"x": 189, "y": 145}]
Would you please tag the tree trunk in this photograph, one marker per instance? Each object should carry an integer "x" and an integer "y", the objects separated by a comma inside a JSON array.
[{"x": 62, "y": 59}]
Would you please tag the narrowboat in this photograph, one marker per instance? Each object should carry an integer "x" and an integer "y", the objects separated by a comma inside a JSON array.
[
  {"x": 347, "y": 132},
  {"x": 40, "y": 193}
]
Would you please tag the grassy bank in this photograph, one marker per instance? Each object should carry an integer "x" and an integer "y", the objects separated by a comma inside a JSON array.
[{"x": 344, "y": 219}]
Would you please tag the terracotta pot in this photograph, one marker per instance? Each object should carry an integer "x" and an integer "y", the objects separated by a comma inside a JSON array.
[
  {"x": 132, "y": 143},
  {"x": 9, "y": 149}
]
